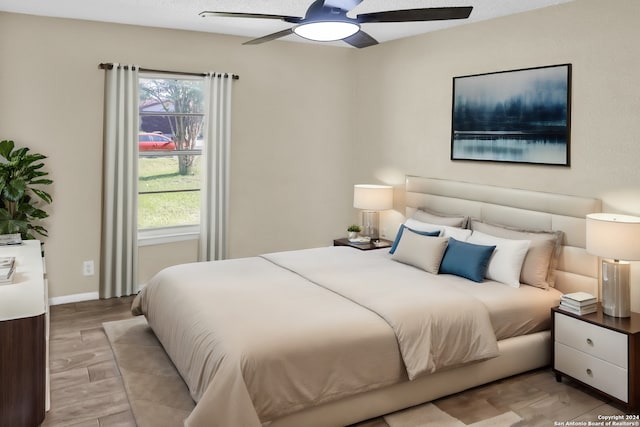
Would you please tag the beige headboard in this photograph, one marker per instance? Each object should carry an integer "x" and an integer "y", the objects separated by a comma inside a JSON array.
[{"x": 577, "y": 270}]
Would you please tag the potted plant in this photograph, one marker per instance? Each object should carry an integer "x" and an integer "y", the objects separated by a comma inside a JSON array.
[
  {"x": 353, "y": 231},
  {"x": 20, "y": 193}
]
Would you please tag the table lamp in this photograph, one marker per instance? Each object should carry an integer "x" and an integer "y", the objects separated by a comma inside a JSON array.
[
  {"x": 616, "y": 238},
  {"x": 372, "y": 199}
]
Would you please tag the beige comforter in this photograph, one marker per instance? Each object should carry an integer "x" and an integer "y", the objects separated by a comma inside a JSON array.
[{"x": 259, "y": 338}]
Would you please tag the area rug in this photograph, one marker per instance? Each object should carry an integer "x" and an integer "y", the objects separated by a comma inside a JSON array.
[
  {"x": 157, "y": 394},
  {"x": 159, "y": 397},
  {"x": 429, "y": 415}
]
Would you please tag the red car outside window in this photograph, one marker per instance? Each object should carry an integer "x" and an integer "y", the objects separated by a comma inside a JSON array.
[{"x": 155, "y": 141}]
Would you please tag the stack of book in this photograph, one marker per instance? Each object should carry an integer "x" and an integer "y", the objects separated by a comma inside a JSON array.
[
  {"x": 578, "y": 303},
  {"x": 10, "y": 239},
  {"x": 7, "y": 268}
]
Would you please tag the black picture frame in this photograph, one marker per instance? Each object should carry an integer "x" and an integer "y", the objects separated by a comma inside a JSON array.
[{"x": 515, "y": 116}]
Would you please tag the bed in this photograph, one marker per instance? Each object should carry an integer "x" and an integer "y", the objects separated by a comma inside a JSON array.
[{"x": 332, "y": 336}]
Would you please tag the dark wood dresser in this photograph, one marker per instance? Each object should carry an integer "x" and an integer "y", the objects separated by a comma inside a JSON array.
[{"x": 24, "y": 318}]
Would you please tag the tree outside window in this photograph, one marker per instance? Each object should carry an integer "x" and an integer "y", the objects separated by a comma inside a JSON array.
[{"x": 170, "y": 142}]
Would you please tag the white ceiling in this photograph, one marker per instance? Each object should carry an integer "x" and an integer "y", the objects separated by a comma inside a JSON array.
[{"x": 183, "y": 14}]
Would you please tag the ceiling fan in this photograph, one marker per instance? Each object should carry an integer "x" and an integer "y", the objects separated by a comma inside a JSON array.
[{"x": 327, "y": 20}]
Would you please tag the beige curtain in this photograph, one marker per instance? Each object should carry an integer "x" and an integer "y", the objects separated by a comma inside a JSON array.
[
  {"x": 214, "y": 210},
  {"x": 119, "y": 255}
]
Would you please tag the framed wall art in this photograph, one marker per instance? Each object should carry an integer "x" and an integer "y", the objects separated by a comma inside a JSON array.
[{"x": 518, "y": 116}]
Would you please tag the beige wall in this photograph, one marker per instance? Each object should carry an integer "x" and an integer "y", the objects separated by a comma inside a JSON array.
[
  {"x": 153, "y": 258},
  {"x": 291, "y": 138},
  {"x": 311, "y": 120},
  {"x": 404, "y": 90}
]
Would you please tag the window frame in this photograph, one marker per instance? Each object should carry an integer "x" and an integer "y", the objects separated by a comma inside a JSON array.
[{"x": 175, "y": 233}]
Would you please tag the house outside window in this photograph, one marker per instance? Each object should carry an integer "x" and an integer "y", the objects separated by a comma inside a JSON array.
[{"x": 169, "y": 157}]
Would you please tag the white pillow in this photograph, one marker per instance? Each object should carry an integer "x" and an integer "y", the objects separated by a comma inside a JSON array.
[
  {"x": 426, "y": 215},
  {"x": 461, "y": 234},
  {"x": 506, "y": 262},
  {"x": 414, "y": 224},
  {"x": 424, "y": 252},
  {"x": 539, "y": 266}
]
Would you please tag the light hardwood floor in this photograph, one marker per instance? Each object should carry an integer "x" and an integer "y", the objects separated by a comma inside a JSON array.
[{"x": 87, "y": 390}]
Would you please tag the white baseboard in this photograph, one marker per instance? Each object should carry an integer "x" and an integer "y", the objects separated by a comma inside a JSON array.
[{"x": 66, "y": 299}]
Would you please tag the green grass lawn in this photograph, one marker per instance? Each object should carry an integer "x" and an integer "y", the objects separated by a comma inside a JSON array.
[{"x": 167, "y": 209}]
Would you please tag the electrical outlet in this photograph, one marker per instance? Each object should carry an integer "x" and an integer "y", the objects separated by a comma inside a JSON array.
[{"x": 87, "y": 268}]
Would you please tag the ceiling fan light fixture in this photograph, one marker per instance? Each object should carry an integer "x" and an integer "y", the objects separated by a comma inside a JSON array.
[{"x": 326, "y": 31}]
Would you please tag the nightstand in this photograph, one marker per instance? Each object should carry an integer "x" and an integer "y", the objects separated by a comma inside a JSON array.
[
  {"x": 363, "y": 246},
  {"x": 599, "y": 351}
]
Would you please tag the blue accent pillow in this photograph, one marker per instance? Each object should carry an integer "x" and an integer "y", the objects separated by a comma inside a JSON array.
[
  {"x": 401, "y": 230},
  {"x": 466, "y": 260}
]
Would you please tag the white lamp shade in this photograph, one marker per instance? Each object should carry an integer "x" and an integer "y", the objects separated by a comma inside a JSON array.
[
  {"x": 372, "y": 197},
  {"x": 613, "y": 236}
]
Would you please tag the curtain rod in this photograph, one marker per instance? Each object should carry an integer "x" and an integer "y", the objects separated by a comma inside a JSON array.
[{"x": 109, "y": 66}]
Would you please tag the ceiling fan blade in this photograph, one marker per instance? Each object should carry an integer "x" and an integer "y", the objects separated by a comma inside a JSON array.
[
  {"x": 207, "y": 13},
  {"x": 342, "y": 4},
  {"x": 270, "y": 37},
  {"x": 360, "y": 40},
  {"x": 409, "y": 15}
]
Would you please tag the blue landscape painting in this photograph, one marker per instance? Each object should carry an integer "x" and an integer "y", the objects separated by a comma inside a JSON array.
[{"x": 513, "y": 116}]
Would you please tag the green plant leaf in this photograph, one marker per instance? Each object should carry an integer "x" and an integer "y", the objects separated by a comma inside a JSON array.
[
  {"x": 41, "y": 181},
  {"x": 5, "y": 148},
  {"x": 10, "y": 226},
  {"x": 42, "y": 194},
  {"x": 4, "y": 214},
  {"x": 14, "y": 190},
  {"x": 33, "y": 170},
  {"x": 31, "y": 158},
  {"x": 19, "y": 153},
  {"x": 40, "y": 230},
  {"x": 38, "y": 213},
  {"x": 36, "y": 174},
  {"x": 24, "y": 208}
]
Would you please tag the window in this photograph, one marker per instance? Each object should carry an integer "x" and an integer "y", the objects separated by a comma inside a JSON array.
[{"x": 169, "y": 150}]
